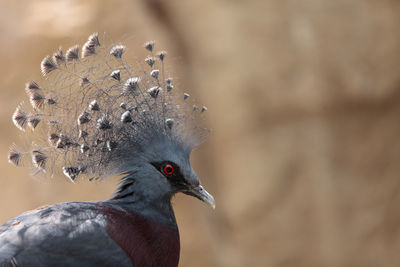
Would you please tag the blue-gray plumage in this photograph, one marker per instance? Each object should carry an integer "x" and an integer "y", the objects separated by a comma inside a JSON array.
[
  {"x": 121, "y": 123},
  {"x": 60, "y": 235}
]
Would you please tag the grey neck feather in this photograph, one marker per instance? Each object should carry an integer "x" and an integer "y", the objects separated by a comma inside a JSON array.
[{"x": 136, "y": 197}]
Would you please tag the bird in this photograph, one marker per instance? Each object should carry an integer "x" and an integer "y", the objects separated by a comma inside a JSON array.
[{"x": 93, "y": 115}]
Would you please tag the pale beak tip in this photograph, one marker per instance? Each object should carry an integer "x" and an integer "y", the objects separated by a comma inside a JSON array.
[
  {"x": 203, "y": 195},
  {"x": 209, "y": 199}
]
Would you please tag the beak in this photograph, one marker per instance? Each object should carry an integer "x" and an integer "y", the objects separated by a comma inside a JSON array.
[{"x": 200, "y": 193}]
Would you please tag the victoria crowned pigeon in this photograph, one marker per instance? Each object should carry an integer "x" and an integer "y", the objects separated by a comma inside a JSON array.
[{"x": 95, "y": 115}]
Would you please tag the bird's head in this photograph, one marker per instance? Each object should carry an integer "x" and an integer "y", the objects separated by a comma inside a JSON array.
[
  {"x": 163, "y": 168},
  {"x": 112, "y": 119}
]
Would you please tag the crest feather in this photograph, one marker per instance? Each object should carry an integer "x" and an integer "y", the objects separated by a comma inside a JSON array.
[{"x": 95, "y": 113}]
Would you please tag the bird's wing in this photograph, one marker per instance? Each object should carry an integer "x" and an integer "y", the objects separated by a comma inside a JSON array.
[{"x": 65, "y": 234}]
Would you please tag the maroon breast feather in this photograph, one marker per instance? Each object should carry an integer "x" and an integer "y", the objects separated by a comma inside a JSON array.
[{"x": 147, "y": 242}]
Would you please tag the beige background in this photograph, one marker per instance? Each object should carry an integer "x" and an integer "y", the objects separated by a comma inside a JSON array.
[{"x": 304, "y": 104}]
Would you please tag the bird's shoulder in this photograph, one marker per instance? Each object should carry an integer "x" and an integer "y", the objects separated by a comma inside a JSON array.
[
  {"x": 60, "y": 216},
  {"x": 42, "y": 235}
]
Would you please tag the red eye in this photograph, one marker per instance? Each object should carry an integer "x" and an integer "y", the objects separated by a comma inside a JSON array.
[{"x": 168, "y": 169}]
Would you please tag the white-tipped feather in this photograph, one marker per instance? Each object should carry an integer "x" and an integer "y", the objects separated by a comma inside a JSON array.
[{"x": 102, "y": 112}]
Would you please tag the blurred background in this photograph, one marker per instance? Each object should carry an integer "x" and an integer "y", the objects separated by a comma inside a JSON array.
[{"x": 303, "y": 101}]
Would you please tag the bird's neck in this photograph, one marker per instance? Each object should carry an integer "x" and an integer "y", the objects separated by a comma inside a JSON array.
[{"x": 131, "y": 197}]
